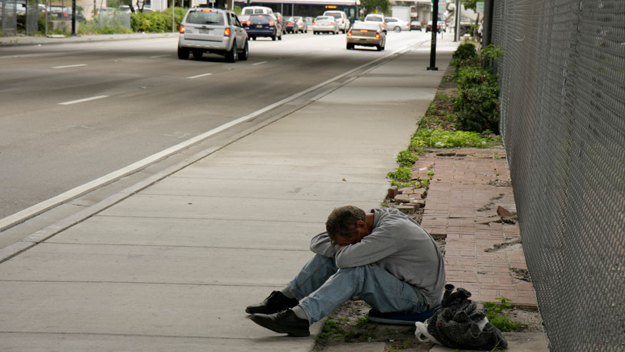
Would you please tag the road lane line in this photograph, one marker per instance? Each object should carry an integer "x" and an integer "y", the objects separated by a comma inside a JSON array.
[
  {"x": 84, "y": 100},
  {"x": 68, "y": 66},
  {"x": 202, "y": 75},
  {"x": 259, "y": 63},
  {"x": 157, "y": 56}
]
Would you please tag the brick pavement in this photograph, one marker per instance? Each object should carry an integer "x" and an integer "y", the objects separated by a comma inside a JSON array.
[{"x": 483, "y": 252}]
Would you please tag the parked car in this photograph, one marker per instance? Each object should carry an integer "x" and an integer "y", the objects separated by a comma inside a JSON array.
[
  {"x": 415, "y": 26},
  {"x": 366, "y": 34},
  {"x": 252, "y": 10},
  {"x": 396, "y": 24},
  {"x": 325, "y": 24},
  {"x": 301, "y": 24},
  {"x": 341, "y": 19},
  {"x": 263, "y": 25},
  {"x": 214, "y": 31},
  {"x": 377, "y": 18}
]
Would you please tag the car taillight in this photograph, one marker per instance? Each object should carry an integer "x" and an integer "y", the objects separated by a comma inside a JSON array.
[
  {"x": 289, "y": 24},
  {"x": 272, "y": 23},
  {"x": 246, "y": 23},
  {"x": 227, "y": 32},
  {"x": 377, "y": 35},
  {"x": 342, "y": 20},
  {"x": 349, "y": 34},
  {"x": 181, "y": 29}
]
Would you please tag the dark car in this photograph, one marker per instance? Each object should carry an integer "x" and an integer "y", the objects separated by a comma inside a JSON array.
[
  {"x": 290, "y": 26},
  {"x": 264, "y": 25}
]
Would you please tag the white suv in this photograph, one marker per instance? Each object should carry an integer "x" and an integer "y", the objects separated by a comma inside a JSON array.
[
  {"x": 213, "y": 31},
  {"x": 341, "y": 18}
]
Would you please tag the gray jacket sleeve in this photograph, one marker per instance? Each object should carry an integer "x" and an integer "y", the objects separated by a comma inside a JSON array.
[
  {"x": 321, "y": 245},
  {"x": 372, "y": 248}
]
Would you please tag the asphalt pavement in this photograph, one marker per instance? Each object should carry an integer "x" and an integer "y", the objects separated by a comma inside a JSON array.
[{"x": 171, "y": 263}]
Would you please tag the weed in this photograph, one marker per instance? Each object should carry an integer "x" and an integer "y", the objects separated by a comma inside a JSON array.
[
  {"x": 439, "y": 138},
  {"x": 495, "y": 316},
  {"x": 406, "y": 158},
  {"x": 400, "y": 174}
]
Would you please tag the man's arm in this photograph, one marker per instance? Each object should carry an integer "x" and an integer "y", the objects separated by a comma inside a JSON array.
[
  {"x": 369, "y": 250},
  {"x": 322, "y": 245}
]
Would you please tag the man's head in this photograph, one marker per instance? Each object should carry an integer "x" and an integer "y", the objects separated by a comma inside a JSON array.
[{"x": 347, "y": 225}]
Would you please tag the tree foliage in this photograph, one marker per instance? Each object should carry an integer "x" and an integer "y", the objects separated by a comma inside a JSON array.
[
  {"x": 470, "y": 4},
  {"x": 371, "y": 6}
]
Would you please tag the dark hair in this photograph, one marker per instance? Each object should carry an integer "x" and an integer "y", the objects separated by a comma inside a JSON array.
[{"x": 342, "y": 221}]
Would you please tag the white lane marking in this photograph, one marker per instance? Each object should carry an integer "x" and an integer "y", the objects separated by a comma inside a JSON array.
[
  {"x": 202, "y": 75},
  {"x": 259, "y": 63},
  {"x": 68, "y": 66},
  {"x": 157, "y": 56},
  {"x": 84, "y": 100}
]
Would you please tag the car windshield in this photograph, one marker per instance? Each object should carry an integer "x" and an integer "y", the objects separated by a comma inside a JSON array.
[
  {"x": 374, "y": 19},
  {"x": 323, "y": 18},
  {"x": 206, "y": 17},
  {"x": 366, "y": 25},
  {"x": 334, "y": 14}
]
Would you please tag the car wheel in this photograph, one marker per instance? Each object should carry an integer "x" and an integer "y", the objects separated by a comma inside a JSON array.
[
  {"x": 231, "y": 56},
  {"x": 245, "y": 53},
  {"x": 183, "y": 54},
  {"x": 379, "y": 47},
  {"x": 253, "y": 38},
  {"x": 273, "y": 37},
  {"x": 397, "y": 29},
  {"x": 197, "y": 54},
  {"x": 280, "y": 37},
  {"x": 350, "y": 46}
]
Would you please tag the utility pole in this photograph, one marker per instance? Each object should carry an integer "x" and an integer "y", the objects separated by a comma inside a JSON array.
[
  {"x": 73, "y": 17},
  {"x": 457, "y": 20},
  {"x": 434, "y": 29}
]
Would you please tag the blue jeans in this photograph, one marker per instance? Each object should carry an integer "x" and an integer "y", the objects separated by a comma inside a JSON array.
[{"x": 321, "y": 287}]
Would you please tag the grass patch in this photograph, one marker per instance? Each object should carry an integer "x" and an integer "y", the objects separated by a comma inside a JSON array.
[
  {"x": 495, "y": 316},
  {"x": 441, "y": 138}
]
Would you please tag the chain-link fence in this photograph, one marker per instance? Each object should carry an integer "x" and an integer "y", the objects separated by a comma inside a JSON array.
[
  {"x": 33, "y": 17},
  {"x": 563, "y": 121}
]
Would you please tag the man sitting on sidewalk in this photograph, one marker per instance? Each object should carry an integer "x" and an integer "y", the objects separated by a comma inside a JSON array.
[{"x": 383, "y": 257}]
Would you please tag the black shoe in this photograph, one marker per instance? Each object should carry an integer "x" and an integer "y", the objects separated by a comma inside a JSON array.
[
  {"x": 276, "y": 302},
  {"x": 285, "y": 322}
]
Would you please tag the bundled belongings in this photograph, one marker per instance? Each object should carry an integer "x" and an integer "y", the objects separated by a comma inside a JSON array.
[{"x": 459, "y": 324}]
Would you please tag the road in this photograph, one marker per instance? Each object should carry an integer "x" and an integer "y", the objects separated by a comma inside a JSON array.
[{"x": 74, "y": 113}]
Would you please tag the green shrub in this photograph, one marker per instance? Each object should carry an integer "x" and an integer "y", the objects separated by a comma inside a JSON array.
[
  {"x": 477, "y": 105},
  {"x": 465, "y": 54},
  {"x": 491, "y": 52},
  {"x": 156, "y": 21}
]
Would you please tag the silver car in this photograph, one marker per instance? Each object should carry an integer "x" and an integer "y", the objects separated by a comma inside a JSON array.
[
  {"x": 325, "y": 24},
  {"x": 214, "y": 31},
  {"x": 366, "y": 34}
]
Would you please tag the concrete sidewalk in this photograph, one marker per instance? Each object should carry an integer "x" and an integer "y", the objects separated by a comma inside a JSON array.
[{"x": 173, "y": 266}]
